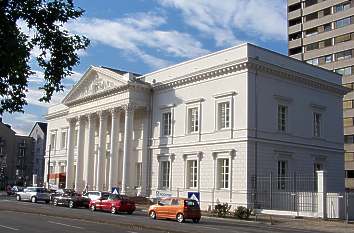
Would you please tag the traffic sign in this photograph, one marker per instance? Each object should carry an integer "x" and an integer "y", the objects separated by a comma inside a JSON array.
[
  {"x": 194, "y": 196},
  {"x": 115, "y": 190}
]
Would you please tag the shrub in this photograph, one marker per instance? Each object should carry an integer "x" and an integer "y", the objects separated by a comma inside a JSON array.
[
  {"x": 221, "y": 210},
  {"x": 242, "y": 212}
]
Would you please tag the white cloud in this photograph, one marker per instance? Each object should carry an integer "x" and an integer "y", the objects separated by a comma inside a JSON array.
[
  {"x": 22, "y": 123},
  {"x": 228, "y": 20},
  {"x": 135, "y": 34}
]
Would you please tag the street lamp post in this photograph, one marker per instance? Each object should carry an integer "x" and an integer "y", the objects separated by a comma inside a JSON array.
[{"x": 48, "y": 172}]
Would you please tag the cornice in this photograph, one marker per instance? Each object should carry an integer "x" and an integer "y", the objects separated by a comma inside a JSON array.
[
  {"x": 107, "y": 93},
  {"x": 56, "y": 114},
  {"x": 256, "y": 65}
]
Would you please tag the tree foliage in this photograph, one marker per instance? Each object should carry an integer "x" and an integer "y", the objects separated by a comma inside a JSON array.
[{"x": 45, "y": 20}]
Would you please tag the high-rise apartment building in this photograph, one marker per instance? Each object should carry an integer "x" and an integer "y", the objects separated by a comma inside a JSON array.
[{"x": 321, "y": 32}]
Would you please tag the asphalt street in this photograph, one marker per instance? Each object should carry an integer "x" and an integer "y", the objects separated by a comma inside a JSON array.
[{"x": 32, "y": 218}]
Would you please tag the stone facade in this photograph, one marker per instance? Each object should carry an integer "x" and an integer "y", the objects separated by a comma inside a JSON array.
[{"x": 208, "y": 125}]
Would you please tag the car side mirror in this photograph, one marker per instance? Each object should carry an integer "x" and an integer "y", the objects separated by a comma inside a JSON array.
[{"x": 159, "y": 203}]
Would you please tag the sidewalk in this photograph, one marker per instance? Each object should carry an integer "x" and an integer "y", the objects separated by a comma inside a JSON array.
[{"x": 338, "y": 226}]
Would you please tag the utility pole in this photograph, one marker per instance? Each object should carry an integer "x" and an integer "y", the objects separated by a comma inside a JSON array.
[{"x": 48, "y": 172}]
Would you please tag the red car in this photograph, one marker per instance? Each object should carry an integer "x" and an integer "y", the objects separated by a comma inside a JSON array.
[{"x": 113, "y": 203}]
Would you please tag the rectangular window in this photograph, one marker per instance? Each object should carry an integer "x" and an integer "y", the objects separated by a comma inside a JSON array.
[
  {"x": 167, "y": 123},
  {"x": 312, "y": 46},
  {"x": 52, "y": 141},
  {"x": 311, "y": 32},
  {"x": 342, "y": 22},
  {"x": 344, "y": 71},
  {"x": 348, "y": 104},
  {"x": 63, "y": 140},
  {"x": 342, "y": 38},
  {"x": 348, "y": 156},
  {"x": 349, "y": 174},
  {"x": 192, "y": 176},
  {"x": 224, "y": 173},
  {"x": 282, "y": 118},
  {"x": 344, "y": 55},
  {"x": 311, "y": 16},
  {"x": 224, "y": 115},
  {"x": 193, "y": 120},
  {"x": 348, "y": 139},
  {"x": 342, "y": 6},
  {"x": 165, "y": 174},
  {"x": 282, "y": 173},
  {"x": 348, "y": 121},
  {"x": 328, "y": 58},
  {"x": 327, "y": 27},
  {"x": 313, "y": 61},
  {"x": 139, "y": 174},
  {"x": 51, "y": 169},
  {"x": 317, "y": 121}
]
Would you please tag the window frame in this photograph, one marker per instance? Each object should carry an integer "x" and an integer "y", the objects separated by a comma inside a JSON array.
[
  {"x": 282, "y": 124},
  {"x": 169, "y": 123},
  {"x": 317, "y": 126}
]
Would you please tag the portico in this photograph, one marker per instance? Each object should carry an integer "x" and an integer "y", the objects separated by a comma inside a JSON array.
[{"x": 106, "y": 141}]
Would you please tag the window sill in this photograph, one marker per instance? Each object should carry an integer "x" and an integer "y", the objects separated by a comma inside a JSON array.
[
  {"x": 192, "y": 133},
  {"x": 223, "y": 130}
]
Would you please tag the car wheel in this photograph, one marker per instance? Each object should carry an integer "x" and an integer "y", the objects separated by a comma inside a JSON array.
[
  {"x": 71, "y": 204},
  {"x": 18, "y": 197},
  {"x": 33, "y": 199},
  {"x": 152, "y": 214},
  {"x": 93, "y": 208},
  {"x": 180, "y": 218},
  {"x": 113, "y": 210},
  {"x": 130, "y": 212},
  {"x": 196, "y": 220},
  {"x": 55, "y": 202},
  {"x": 47, "y": 201}
]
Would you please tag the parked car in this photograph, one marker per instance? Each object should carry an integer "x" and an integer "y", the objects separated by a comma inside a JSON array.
[
  {"x": 176, "y": 208},
  {"x": 59, "y": 192},
  {"x": 114, "y": 203},
  {"x": 33, "y": 194},
  {"x": 94, "y": 195},
  {"x": 14, "y": 190},
  {"x": 71, "y": 199}
]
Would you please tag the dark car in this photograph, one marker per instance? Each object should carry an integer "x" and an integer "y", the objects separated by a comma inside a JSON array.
[
  {"x": 59, "y": 192},
  {"x": 71, "y": 199},
  {"x": 113, "y": 203}
]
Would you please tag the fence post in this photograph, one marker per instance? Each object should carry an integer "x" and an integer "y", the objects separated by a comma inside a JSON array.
[{"x": 321, "y": 194}]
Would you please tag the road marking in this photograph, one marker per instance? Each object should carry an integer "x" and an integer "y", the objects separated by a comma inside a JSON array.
[
  {"x": 213, "y": 228},
  {"x": 67, "y": 225},
  {"x": 11, "y": 228},
  {"x": 132, "y": 232}
]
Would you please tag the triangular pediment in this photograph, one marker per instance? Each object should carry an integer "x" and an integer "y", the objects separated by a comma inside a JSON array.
[{"x": 96, "y": 80}]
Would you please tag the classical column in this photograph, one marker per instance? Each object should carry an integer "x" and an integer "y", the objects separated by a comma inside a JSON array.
[
  {"x": 80, "y": 155},
  {"x": 145, "y": 153},
  {"x": 90, "y": 151},
  {"x": 101, "y": 151},
  {"x": 113, "y": 165},
  {"x": 70, "y": 154},
  {"x": 128, "y": 129}
]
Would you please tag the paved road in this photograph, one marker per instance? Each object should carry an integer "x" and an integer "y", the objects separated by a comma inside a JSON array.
[{"x": 32, "y": 218}]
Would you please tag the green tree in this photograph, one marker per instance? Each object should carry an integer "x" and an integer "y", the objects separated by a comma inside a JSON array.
[{"x": 58, "y": 48}]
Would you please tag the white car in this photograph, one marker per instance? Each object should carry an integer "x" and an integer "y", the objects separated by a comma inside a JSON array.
[{"x": 33, "y": 194}]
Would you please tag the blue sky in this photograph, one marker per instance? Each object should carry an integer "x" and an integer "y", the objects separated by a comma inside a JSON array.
[{"x": 144, "y": 35}]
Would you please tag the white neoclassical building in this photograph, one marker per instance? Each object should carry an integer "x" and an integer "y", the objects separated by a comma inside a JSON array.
[{"x": 208, "y": 125}]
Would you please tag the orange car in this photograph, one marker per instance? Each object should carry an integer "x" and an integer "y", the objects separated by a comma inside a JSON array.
[{"x": 176, "y": 208}]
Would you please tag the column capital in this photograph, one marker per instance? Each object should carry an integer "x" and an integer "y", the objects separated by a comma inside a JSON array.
[
  {"x": 72, "y": 120},
  {"x": 102, "y": 114},
  {"x": 82, "y": 118},
  {"x": 115, "y": 111},
  {"x": 129, "y": 107},
  {"x": 91, "y": 116}
]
